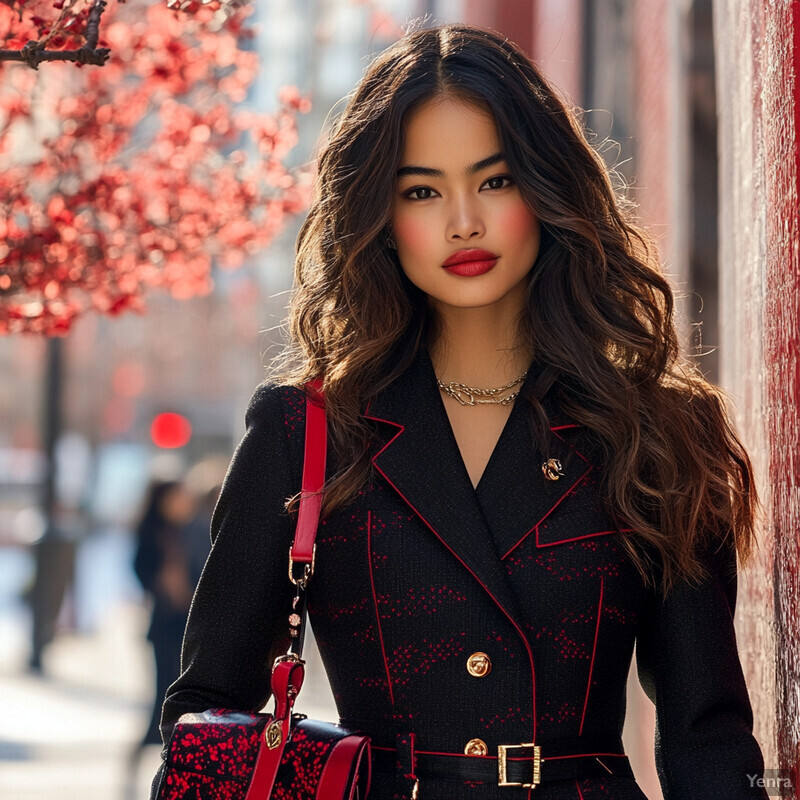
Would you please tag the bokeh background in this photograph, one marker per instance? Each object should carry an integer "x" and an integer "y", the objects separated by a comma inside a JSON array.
[{"x": 692, "y": 102}]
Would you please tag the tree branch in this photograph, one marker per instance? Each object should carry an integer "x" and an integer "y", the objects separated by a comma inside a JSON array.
[{"x": 34, "y": 52}]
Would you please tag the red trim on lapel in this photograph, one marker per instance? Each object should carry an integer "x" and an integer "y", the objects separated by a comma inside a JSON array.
[
  {"x": 549, "y": 539},
  {"x": 466, "y": 567},
  {"x": 388, "y": 422},
  {"x": 555, "y": 505},
  {"x": 594, "y": 651},
  {"x": 574, "y": 450},
  {"x": 553, "y": 430},
  {"x": 375, "y": 600}
]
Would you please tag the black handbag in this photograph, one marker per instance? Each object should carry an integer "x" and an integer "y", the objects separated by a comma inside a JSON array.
[{"x": 223, "y": 754}]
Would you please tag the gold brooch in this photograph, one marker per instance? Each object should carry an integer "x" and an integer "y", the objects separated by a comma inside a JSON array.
[{"x": 552, "y": 469}]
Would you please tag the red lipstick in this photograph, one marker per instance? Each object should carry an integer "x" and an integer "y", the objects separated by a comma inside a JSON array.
[{"x": 469, "y": 263}]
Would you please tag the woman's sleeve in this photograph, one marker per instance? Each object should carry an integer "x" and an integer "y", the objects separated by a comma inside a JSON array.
[
  {"x": 689, "y": 666},
  {"x": 238, "y": 617}
]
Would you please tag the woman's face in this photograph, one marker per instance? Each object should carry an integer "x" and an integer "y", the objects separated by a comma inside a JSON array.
[
  {"x": 464, "y": 235},
  {"x": 177, "y": 505}
]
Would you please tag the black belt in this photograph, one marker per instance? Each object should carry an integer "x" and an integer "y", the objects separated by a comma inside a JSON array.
[{"x": 584, "y": 757}]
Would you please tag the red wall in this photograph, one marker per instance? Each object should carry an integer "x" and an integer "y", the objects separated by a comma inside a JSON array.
[
  {"x": 511, "y": 17},
  {"x": 557, "y": 41},
  {"x": 758, "y": 55}
]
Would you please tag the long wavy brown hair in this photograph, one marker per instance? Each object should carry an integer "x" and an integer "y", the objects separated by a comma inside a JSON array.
[{"x": 600, "y": 312}]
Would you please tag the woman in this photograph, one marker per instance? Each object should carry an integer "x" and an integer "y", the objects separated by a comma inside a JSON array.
[
  {"x": 160, "y": 563},
  {"x": 526, "y": 479}
]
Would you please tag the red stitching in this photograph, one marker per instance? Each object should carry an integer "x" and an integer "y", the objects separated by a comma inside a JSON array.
[
  {"x": 594, "y": 649},
  {"x": 375, "y": 599},
  {"x": 580, "y": 793}
]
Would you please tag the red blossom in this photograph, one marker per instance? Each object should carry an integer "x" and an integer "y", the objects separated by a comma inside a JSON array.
[
  {"x": 37, "y": 20},
  {"x": 143, "y": 176}
]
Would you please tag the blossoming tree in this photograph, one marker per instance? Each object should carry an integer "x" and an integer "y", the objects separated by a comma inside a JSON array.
[{"x": 138, "y": 173}]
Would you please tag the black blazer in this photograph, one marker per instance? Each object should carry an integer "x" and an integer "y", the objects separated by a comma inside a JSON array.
[{"x": 421, "y": 571}]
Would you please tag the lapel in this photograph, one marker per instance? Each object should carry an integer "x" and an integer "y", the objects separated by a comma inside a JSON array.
[
  {"x": 420, "y": 459},
  {"x": 516, "y": 510}
]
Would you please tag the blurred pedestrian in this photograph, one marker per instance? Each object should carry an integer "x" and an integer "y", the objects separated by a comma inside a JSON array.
[
  {"x": 204, "y": 482},
  {"x": 162, "y": 564},
  {"x": 54, "y": 556}
]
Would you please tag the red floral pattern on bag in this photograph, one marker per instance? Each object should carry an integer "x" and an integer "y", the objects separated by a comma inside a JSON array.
[{"x": 211, "y": 756}]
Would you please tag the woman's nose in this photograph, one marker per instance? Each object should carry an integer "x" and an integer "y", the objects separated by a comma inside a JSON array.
[{"x": 465, "y": 222}]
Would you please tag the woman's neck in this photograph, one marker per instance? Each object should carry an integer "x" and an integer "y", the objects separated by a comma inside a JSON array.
[{"x": 478, "y": 347}]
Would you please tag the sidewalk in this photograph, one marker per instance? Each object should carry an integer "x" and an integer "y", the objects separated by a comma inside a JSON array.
[{"x": 66, "y": 735}]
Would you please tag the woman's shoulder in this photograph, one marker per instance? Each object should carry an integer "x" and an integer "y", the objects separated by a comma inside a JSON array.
[
  {"x": 271, "y": 397},
  {"x": 276, "y": 410},
  {"x": 272, "y": 444}
]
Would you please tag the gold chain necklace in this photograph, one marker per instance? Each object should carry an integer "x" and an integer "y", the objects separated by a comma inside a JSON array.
[{"x": 473, "y": 396}]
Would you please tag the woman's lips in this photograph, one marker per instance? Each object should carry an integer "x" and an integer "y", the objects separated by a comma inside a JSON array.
[{"x": 469, "y": 263}]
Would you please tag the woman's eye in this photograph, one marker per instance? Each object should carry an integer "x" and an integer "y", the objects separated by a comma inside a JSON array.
[
  {"x": 499, "y": 182},
  {"x": 420, "y": 193}
]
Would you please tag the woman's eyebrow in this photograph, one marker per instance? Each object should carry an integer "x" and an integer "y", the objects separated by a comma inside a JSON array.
[{"x": 430, "y": 172}]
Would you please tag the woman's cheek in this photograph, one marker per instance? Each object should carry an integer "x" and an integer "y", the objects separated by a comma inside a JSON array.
[
  {"x": 519, "y": 223},
  {"x": 411, "y": 233},
  {"x": 409, "y": 229}
]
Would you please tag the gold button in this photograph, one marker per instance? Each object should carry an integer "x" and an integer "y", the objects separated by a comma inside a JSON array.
[
  {"x": 476, "y": 747},
  {"x": 479, "y": 665}
]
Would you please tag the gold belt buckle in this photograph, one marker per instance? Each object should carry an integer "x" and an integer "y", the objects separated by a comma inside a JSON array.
[{"x": 502, "y": 764}]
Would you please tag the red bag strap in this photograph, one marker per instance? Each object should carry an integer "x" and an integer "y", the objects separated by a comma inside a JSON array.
[
  {"x": 314, "y": 458},
  {"x": 287, "y": 679},
  {"x": 289, "y": 670}
]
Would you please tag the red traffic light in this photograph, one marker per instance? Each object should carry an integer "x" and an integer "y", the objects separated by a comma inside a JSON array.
[{"x": 170, "y": 430}]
